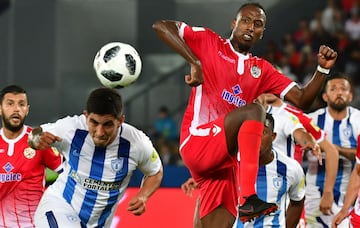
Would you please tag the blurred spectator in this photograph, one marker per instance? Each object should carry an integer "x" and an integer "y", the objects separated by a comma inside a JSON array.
[
  {"x": 352, "y": 24},
  {"x": 169, "y": 153},
  {"x": 165, "y": 127}
]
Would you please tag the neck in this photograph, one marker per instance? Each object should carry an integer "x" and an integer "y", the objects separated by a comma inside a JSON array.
[
  {"x": 266, "y": 158},
  {"x": 10, "y": 134},
  {"x": 337, "y": 115}
]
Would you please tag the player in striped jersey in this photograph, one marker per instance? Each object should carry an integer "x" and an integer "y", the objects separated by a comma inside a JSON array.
[
  {"x": 352, "y": 194},
  {"x": 101, "y": 153},
  {"x": 341, "y": 123},
  {"x": 280, "y": 178},
  {"x": 22, "y": 173}
]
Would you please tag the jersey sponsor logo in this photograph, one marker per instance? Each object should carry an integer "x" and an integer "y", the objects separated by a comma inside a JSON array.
[
  {"x": 29, "y": 153},
  {"x": 9, "y": 176},
  {"x": 232, "y": 98},
  {"x": 278, "y": 182},
  {"x": 93, "y": 184},
  {"x": 117, "y": 164},
  {"x": 255, "y": 71},
  {"x": 226, "y": 58},
  {"x": 294, "y": 119}
]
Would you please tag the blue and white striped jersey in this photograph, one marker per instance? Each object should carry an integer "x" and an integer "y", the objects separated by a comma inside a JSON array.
[
  {"x": 95, "y": 178},
  {"x": 285, "y": 125},
  {"x": 342, "y": 133},
  {"x": 278, "y": 181}
]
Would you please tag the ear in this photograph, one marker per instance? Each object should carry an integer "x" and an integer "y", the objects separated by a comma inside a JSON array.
[
  {"x": 85, "y": 113},
  {"x": 325, "y": 97},
  {"x": 273, "y": 136},
  {"x": 233, "y": 23},
  {"x": 122, "y": 119}
]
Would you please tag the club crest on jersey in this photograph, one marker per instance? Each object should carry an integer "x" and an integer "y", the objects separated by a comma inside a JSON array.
[
  {"x": 277, "y": 182},
  {"x": 117, "y": 164},
  {"x": 29, "y": 153},
  {"x": 255, "y": 71}
]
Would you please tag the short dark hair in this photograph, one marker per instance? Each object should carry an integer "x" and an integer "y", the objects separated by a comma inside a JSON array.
[
  {"x": 11, "y": 89},
  {"x": 339, "y": 75},
  {"x": 250, "y": 4},
  {"x": 105, "y": 101},
  {"x": 269, "y": 121}
]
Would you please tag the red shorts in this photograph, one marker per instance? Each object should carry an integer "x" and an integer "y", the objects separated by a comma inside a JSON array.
[
  {"x": 212, "y": 167},
  {"x": 354, "y": 219}
]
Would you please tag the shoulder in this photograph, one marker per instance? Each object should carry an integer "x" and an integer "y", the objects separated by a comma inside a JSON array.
[
  {"x": 317, "y": 112},
  {"x": 292, "y": 165}
]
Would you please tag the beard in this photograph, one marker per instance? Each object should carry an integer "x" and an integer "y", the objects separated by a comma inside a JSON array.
[
  {"x": 11, "y": 127},
  {"x": 338, "y": 106}
]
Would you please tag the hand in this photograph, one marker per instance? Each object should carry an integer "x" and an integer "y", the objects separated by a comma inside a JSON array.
[
  {"x": 326, "y": 57},
  {"x": 343, "y": 213},
  {"x": 315, "y": 150},
  {"x": 196, "y": 76},
  {"x": 137, "y": 205},
  {"x": 46, "y": 140},
  {"x": 189, "y": 186},
  {"x": 326, "y": 203}
]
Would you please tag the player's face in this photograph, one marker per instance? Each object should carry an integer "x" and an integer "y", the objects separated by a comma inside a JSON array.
[
  {"x": 338, "y": 94},
  {"x": 266, "y": 141},
  {"x": 103, "y": 128},
  {"x": 14, "y": 109},
  {"x": 247, "y": 28}
]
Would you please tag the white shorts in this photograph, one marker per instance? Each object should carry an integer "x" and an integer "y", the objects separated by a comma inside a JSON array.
[
  {"x": 54, "y": 212},
  {"x": 314, "y": 217}
]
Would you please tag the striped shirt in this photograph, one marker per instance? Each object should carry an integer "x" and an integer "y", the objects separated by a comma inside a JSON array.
[
  {"x": 342, "y": 133},
  {"x": 95, "y": 178},
  {"x": 281, "y": 179}
]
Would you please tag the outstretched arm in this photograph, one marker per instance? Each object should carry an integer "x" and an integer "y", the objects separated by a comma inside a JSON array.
[
  {"x": 40, "y": 140},
  {"x": 307, "y": 142},
  {"x": 149, "y": 185},
  {"x": 351, "y": 193},
  {"x": 293, "y": 212},
  {"x": 168, "y": 32},
  {"x": 304, "y": 97},
  {"x": 331, "y": 168}
]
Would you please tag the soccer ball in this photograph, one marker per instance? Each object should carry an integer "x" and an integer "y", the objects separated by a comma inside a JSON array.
[{"x": 117, "y": 65}]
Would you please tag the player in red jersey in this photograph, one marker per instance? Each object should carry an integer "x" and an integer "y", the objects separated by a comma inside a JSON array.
[
  {"x": 221, "y": 117},
  {"x": 352, "y": 194},
  {"x": 22, "y": 174}
]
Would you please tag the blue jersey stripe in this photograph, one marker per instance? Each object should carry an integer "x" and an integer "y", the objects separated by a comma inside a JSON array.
[
  {"x": 321, "y": 120},
  {"x": 336, "y": 133},
  {"x": 338, "y": 181},
  {"x": 74, "y": 155}
]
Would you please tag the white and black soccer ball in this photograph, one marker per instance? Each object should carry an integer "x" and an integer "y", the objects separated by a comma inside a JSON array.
[{"x": 117, "y": 65}]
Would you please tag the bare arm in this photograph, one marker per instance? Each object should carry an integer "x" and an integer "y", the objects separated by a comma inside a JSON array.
[
  {"x": 331, "y": 168},
  {"x": 304, "y": 97},
  {"x": 349, "y": 153},
  {"x": 168, "y": 32},
  {"x": 351, "y": 193},
  {"x": 307, "y": 142},
  {"x": 149, "y": 186},
  {"x": 293, "y": 212},
  {"x": 40, "y": 140}
]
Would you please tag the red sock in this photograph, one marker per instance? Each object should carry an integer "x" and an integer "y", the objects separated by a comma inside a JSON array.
[{"x": 249, "y": 140}]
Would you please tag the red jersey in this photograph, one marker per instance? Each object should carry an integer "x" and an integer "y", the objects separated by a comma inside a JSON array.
[
  {"x": 22, "y": 178},
  {"x": 309, "y": 126},
  {"x": 231, "y": 79},
  {"x": 355, "y": 212}
]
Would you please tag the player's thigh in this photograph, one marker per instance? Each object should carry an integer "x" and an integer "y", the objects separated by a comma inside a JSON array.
[
  {"x": 220, "y": 217},
  {"x": 56, "y": 213}
]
